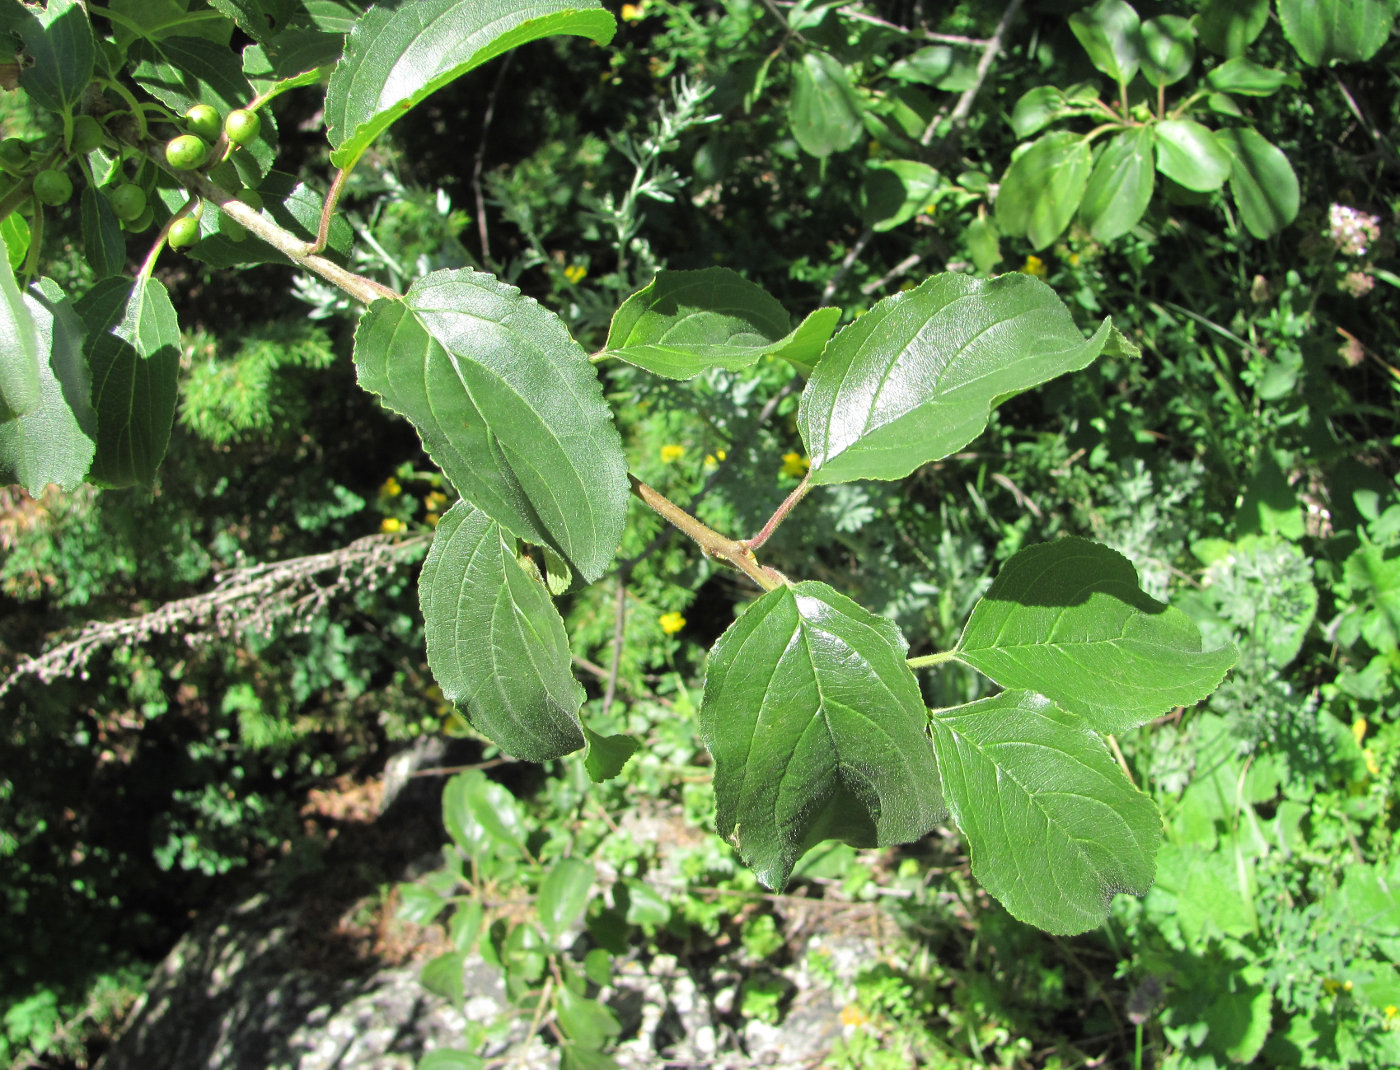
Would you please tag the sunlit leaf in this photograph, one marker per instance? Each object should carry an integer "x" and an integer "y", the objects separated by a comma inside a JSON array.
[
  {"x": 824, "y": 110},
  {"x": 1042, "y": 188},
  {"x": 1120, "y": 187},
  {"x": 1261, "y": 181}
]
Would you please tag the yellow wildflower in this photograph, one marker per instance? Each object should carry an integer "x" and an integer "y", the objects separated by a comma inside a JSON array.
[
  {"x": 1034, "y": 266},
  {"x": 575, "y": 273},
  {"x": 1372, "y": 766},
  {"x": 391, "y": 525},
  {"x": 1073, "y": 259},
  {"x": 713, "y": 459},
  {"x": 672, "y": 622},
  {"x": 434, "y": 500},
  {"x": 795, "y": 465},
  {"x": 852, "y": 1017},
  {"x": 390, "y": 488},
  {"x": 671, "y": 453},
  {"x": 1358, "y": 729},
  {"x": 631, "y": 12},
  {"x": 1391, "y": 1011},
  {"x": 431, "y": 519}
]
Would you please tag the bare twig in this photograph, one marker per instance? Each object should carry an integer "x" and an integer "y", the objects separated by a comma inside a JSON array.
[
  {"x": 619, "y": 635},
  {"x": 829, "y": 290},
  {"x": 255, "y": 597},
  {"x": 959, "y": 115},
  {"x": 480, "y": 159}
]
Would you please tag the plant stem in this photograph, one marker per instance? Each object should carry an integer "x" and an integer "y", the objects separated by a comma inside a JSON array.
[
  {"x": 780, "y": 514},
  {"x": 287, "y": 243},
  {"x": 928, "y": 661},
  {"x": 323, "y": 229},
  {"x": 711, "y": 542}
]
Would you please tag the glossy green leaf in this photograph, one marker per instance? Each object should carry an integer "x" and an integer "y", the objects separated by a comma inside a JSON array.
[
  {"x": 1190, "y": 154},
  {"x": 20, "y": 356},
  {"x": 1168, "y": 49},
  {"x": 1228, "y": 27},
  {"x": 1043, "y": 105},
  {"x": 1120, "y": 187},
  {"x": 508, "y": 406},
  {"x": 1042, "y": 188},
  {"x": 301, "y": 57},
  {"x": 928, "y": 66},
  {"x": 496, "y": 644},
  {"x": 445, "y": 976},
  {"x": 480, "y": 814},
  {"x": 14, "y": 232},
  {"x": 1261, "y": 181},
  {"x": 686, "y": 322},
  {"x": 1249, "y": 79},
  {"x": 896, "y": 191},
  {"x": 104, "y": 241},
  {"x": 1109, "y": 33},
  {"x": 1069, "y": 620},
  {"x": 916, "y": 377},
  {"x": 606, "y": 756},
  {"x": 397, "y": 55},
  {"x": 1325, "y": 30},
  {"x": 585, "y": 1021},
  {"x": 60, "y": 53},
  {"x": 563, "y": 895},
  {"x": 133, "y": 351},
  {"x": 52, "y": 442},
  {"x": 259, "y": 19},
  {"x": 817, "y": 730},
  {"x": 824, "y": 111},
  {"x": 1054, "y": 828}
]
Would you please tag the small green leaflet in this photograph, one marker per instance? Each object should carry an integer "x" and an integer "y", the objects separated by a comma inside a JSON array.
[
  {"x": 1054, "y": 828},
  {"x": 60, "y": 53},
  {"x": 817, "y": 730},
  {"x": 1043, "y": 187},
  {"x": 1120, "y": 186},
  {"x": 686, "y": 322},
  {"x": 52, "y": 443},
  {"x": 1261, "y": 181},
  {"x": 1068, "y": 619},
  {"x": 917, "y": 376},
  {"x": 397, "y": 55},
  {"x": 508, "y": 406},
  {"x": 496, "y": 644},
  {"x": 133, "y": 349},
  {"x": 1190, "y": 154}
]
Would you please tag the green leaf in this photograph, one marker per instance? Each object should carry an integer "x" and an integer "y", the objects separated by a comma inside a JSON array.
[
  {"x": 585, "y": 1021},
  {"x": 606, "y": 755},
  {"x": 685, "y": 322},
  {"x": 817, "y": 730},
  {"x": 496, "y": 644},
  {"x": 133, "y": 350},
  {"x": 1228, "y": 27},
  {"x": 508, "y": 406},
  {"x": 824, "y": 111},
  {"x": 259, "y": 19},
  {"x": 445, "y": 976},
  {"x": 59, "y": 54},
  {"x": 928, "y": 66},
  {"x": 419, "y": 904},
  {"x": 1109, "y": 33},
  {"x": 563, "y": 895},
  {"x": 580, "y": 1057},
  {"x": 1168, "y": 49},
  {"x": 1120, "y": 187},
  {"x": 1042, "y": 188},
  {"x": 104, "y": 241},
  {"x": 445, "y": 1059},
  {"x": 917, "y": 376},
  {"x": 14, "y": 232},
  {"x": 896, "y": 191},
  {"x": 396, "y": 56},
  {"x": 300, "y": 58},
  {"x": 1068, "y": 619},
  {"x": 1054, "y": 828},
  {"x": 1190, "y": 154},
  {"x": 1325, "y": 30},
  {"x": 480, "y": 814},
  {"x": 983, "y": 244},
  {"x": 1249, "y": 79},
  {"x": 51, "y": 443},
  {"x": 1043, "y": 105},
  {"x": 1261, "y": 181},
  {"x": 21, "y": 388}
]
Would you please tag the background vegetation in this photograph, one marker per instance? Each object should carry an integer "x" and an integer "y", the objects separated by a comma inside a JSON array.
[{"x": 1246, "y": 464}]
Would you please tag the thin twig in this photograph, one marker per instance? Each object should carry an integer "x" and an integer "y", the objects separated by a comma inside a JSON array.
[
  {"x": 480, "y": 159},
  {"x": 959, "y": 116},
  {"x": 619, "y": 635},
  {"x": 829, "y": 290},
  {"x": 710, "y": 541}
]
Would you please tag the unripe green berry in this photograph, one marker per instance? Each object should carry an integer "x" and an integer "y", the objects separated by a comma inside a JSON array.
[
  {"x": 141, "y": 222},
  {"x": 53, "y": 187},
  {"x": 203, "y": 121},
  {"x": 128, "y": 201},
  {"x": 14, "y": 155},
  {"x": 184, "y": 231},
  {"x": 186, "y": 152},
  {"x": 88, "y": 135},
  {"x": 242, "y": 126}
]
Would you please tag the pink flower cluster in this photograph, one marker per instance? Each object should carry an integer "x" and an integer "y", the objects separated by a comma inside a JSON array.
[{"x": 1353, "y": 232}]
